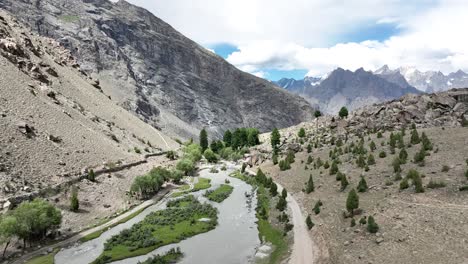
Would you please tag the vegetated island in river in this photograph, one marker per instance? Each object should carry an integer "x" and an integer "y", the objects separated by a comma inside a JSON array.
[
  {"x": 219, "y": 194},
  {"x": 183, "y": 218}
]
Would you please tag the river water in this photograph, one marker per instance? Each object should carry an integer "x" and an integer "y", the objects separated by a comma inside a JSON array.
[{"x": 234, "y": 240}]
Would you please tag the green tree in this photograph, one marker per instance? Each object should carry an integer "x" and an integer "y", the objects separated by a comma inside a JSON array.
[
  {"x": 427, "y": 145},
  {"x": 203, "y": 140},
  {"x": 260, "y": 177},
  {"x": 274, "y": 158},
  {"x": 404, "y": 184},
  {"x": 227, "y": 138},
  {"x": 35, "y": 219},
  {"x": 396, "y": 165},
  {"x": 317, "y": 207},
  {"x": 301, "y": 133},
  {"x": 353, "y": 222},
  {"x": 344, "y": 182},
  {"x": 309, "y": 222},
  {"x": 74, "y": 202},
  {"x": 310, "y": 185},
  {"x": 210, "y": 156},
  {"x": 291, "y": 157},
  {"x": 186, "y": 165},
  {"x": 415, "y": 137},
  {"x": 379, "y": 134},
  {"x": 334, "y": 168},
  {"x": 273, "y": 189},
  {"x": 343, "y": 112},
  {"x": 372, "y": 146},
  {"x": 8, "y": 229},
  {"x": 362, "y": 185},
  {"x": 275, "y": 139},
  {"x": 309, "y": 148},
  {"x": 281, "y": 205},
  {"x": 317, "y": 114},
  {"x": 352, "y": 202},
  {"x": 372, "y": 226},
  {"x": 370, "y": 160},
  {"x": 284, "y": 193},
  {"x": 403, "y": 156}
]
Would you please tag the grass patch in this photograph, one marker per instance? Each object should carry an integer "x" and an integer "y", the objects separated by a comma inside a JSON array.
[
  {"x": 172, "y": 256},
  {"x": 220, "y": 194},
  {"x": 47, "y": 259},
  {"x": 202, "y": 184},
  {"x": 436, "y": 184},
  {"x": 98, "y": 233},
  {"x": 179, "y": 221}
]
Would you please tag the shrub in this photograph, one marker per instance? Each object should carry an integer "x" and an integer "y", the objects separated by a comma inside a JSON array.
[
  {"x": 284, "y": 193},
  {"x": 379, "y": 135},
  {"x": 353, "y": 222},
  {"x": 310, "y": 185},
  {"x": 352, "y": 202},
  {"x": 317, "y": 207},
  {"x": 281, "y": 205},
  {"x": 362, "y": 186},
  {"x": 436, "y": 184},
  {"x": 427, "y": 145},
  {"x": 284, "y": 165},
  {"x": 396, "y": 165},
  {"x": 463, "y": 188},
  {"x": 91, "y": 175},
  {"x": 301, "y": 133},
  {"x": 309, "y": 222},
  {"x": 210, "y": 156},
  {"x": 372, "y": 226},
  {"x": 416, "y": 179},
  {"x": 275, "y": 139},
  {"x": 274, "y": 159},
  {"x": 186, "y": 165},
  {"x": 420, "y": 156},
  {"x": 310, "y": 160},
  {"x": 291, "y": 157},
  {"x": 372, "y": 146},
  {"x": 404, "y": 184},
  {"x": 171, "y": 155},
  {"x": 445, "y": 168},
  {"x": 326, "y": 165},
  {"x": 370, "y": 160},
  {"x": 344, "y": 182},
  {"x": 137, "y": 150},
  {"x": 334, "y": 168},
  {"x": 74, "y": 202},
  {"x": 403, "y": 156},
  {"x": 363, "y": 220},
  {"x": 273, "y": 189},
  {"x": 343, "y": 113},
  {"x": 382, "y": 154},
  {"x": 415, "y": 137}
]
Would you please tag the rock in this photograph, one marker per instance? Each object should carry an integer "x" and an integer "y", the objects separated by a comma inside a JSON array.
[
  {"x": 107, "y": 206},
  {"x": 6, "y": 205},
  {"x": 379, "y": 240},
  {"x": 346, "y": 243},
  {"x": 26, "y": 129}
]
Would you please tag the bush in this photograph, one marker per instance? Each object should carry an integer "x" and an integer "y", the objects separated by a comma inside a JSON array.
[
  {"x": 91, "y": 175},
  {"x": 420, "y": 156},
  {"x": 352, "y": 202},
  {"x": 187, "y": 166},
  {"x": 334, "y": 168},
  {"x": 326, "y": 165},
  {"x": 379, "y": 135},
  {"x": 436, "y": 184},
  {"x": 317, "y": 207},
  {"x": 404, "y": 184},
  {"x": 415, "y": 137},
  {"x": 362, "y": 186},
  {"x": 281, "y": 205},
  {"x": 353, "y": 222},
  {"x": 403, "y": 156},
  {"x": 275, "y": 159},
  {"x": 372, "y": 146},
  {"x": 74, "y": 202},
  {"x": 344, "y": 182},
  {"x": 445, "y": 168},
  {"x": 396, "y": 165},
  {"x": 284, "y": 165},
  {"x": 273, "y": 189},
  {"x": 416, "y": 179},
  {"x": 363, "y": 220},
  {"x": 343, "y": 113},
  {"x": 372, "y": 226},
  {"x": 309, "y": 222},
  {"x": 370, "y": 160},
  {"x": 382, "y": 154},
  {"x": 301, "y": 133},
  {"x": 310, "y": 185},
  {"x": 171, "y": 155},
  {"x": 210, "y": 156}
]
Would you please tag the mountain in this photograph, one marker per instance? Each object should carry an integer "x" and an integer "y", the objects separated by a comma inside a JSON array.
[
  {"x": 352, "y": 89},
  {"x": 55, "y": 120},
  {"x": 152, "y": 70},
  {"x": 430, "y": 81}
]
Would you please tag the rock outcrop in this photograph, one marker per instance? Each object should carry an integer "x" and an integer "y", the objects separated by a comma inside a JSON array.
[{"x": 157, "y": 73}]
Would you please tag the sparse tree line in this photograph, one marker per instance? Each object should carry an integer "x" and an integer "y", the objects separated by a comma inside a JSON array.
[{"x": 30, "y": 222}]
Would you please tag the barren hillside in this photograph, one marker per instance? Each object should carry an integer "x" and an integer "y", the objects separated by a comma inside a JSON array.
[{"x": 55, "y": 121}]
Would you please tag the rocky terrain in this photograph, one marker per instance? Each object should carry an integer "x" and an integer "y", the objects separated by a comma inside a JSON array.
[
  {"x": 56, "y": 121},
  {"x": 155, "y": 72},
  {"x": 428, "y": 227},
  {"x": 346, "y": 88}
]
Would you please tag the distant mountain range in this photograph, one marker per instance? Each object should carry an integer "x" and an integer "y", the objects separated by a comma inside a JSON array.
[
  {"x": 346, "y": 88},
  {"x": 355, "y": 89},
  {"x": 430, "y": 81}
]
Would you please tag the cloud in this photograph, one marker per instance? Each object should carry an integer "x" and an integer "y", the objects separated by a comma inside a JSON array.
[
  {"x": 308, "y": 34},
  {"x": 433, "y": 40}
]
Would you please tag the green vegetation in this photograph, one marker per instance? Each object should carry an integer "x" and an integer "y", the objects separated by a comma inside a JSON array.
[
  {"x": 362, "y": 186},
  {"x": 179, "y": 221},
  {"x": 310, "y": 185},
  {"x": 30, "y": 222},
  {"x": 220, "y": 194},
  {"x": 352, "y": 202},
  {"x": 382, "y": 154},
  {"x": 445, "y": 168},
  {"x": 91, "y": 175},
  {"x": 343, "y": 112},
  {"x": 210, "y": 156},
  {"x": 172, "y": 256},
  {"x": 74, "y": 202},
  {"x": 317, "y": 207},
  {"x": 202, "y": 184},
  {"x": 275, "y": 140},
  {"x": 301, "y": 133},
  {"x": 46, "y": 259},
  {"x": 284, "y": 165},
  {"x": 415, "y": 137},
  {"x": 171, "y": 155},
  {"x": 372, "y": 226},
  {"x": 414, "y": 176},
  {"x": 317, "y": 114},
  {"x": 309, "y": 222},
  {"x": 436, "y": 184},
  {"x": 203, "y": 140},
  {"x": 146, "y": 186}
]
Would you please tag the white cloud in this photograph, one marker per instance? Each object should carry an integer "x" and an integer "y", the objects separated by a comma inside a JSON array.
[
  {"x": 302, "y": 34},
  {"x": 434, "y": 40}
]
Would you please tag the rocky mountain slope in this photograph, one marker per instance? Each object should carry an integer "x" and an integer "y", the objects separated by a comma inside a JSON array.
[
  {"x": 430, "y": 81},
  {"x": 346, "y": 88},
  {"x": 154, "y": 71},
  {"x": 415, "y": 226},
  {"x": 56, "y": 121}
]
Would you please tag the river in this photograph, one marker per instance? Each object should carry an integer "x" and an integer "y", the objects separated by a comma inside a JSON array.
[{"x": 234, "y": 240}]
